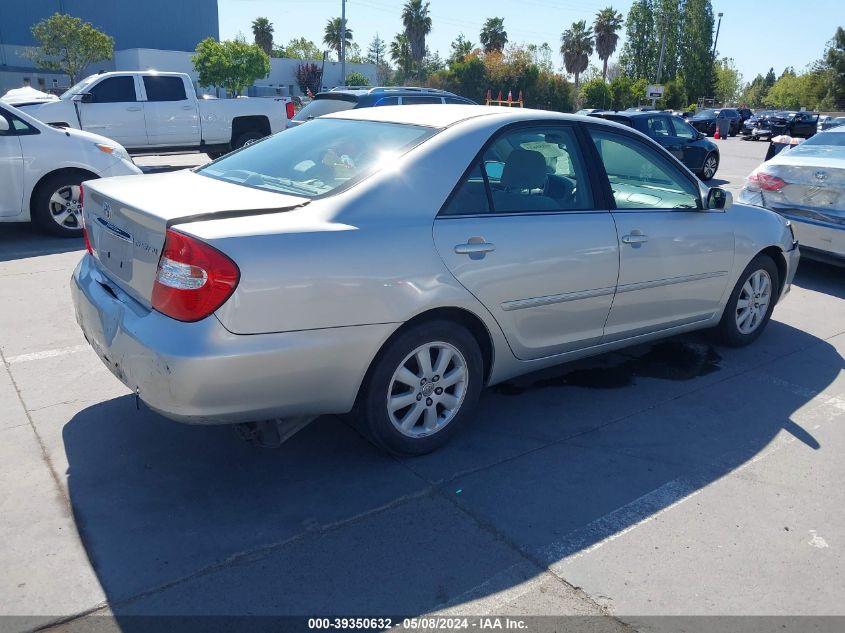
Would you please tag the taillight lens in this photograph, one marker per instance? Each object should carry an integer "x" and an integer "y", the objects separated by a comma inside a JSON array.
[
  {"x": 82, "y": 218},
  {"x": 289, "y": 109},
  {"x": 193, "y": 278},
  {"x": 766, "y": 182}
]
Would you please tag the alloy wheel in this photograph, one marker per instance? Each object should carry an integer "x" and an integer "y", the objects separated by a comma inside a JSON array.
[
  {"x": 711, "y": 164},
  {"x": 427, "y": 389},
  {"x": 66, "y": 208},
  {"x": 753, "y": 301}
]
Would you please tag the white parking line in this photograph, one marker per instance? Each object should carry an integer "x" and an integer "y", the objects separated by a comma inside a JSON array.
[{"x": 50, "y": 353}]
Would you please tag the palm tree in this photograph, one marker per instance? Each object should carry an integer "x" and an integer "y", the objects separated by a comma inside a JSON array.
[
  {"x": 417, "y": 24},
  {"x": 400, "y": 53},
  {"x": 493, "y": 35},
  {"x": 262, "y": 29},
  {"x": 608, "y": 22},
  {"x": 576, "y": 46},
  {"x": 331, "y": 35}
]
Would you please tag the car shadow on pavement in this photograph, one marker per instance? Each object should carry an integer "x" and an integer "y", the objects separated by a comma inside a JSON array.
[
  {"x": 189, "y": 520},
  {"x": 821, "y": 277},
  {"x": 20, "y": 240}
]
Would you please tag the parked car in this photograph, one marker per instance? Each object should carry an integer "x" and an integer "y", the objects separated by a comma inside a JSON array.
[
  {"x": 744, "y": 115},
  {"x": 340, "y": 99},
  {"x": 806, "y": 185},
  {"x": 837, "y": 121},
  {"x": 677, "y": 136},
  {"x": 824, "y": 122},
  {"x": 159, "y": 112},
  {"x": 26, "y": 96},
  {"x": 706, "y": 121},
  {"x": 755, "y": 121},
  {"x": 41, "y": 169},
  {"x": 588, "y": 111},
  {"x": 455, "y": 247},
  {"x": 795, "y": 124}
]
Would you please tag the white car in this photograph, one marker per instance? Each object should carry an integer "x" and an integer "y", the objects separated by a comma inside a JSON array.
[
  {"x": 156, "y": 112},
  {"x": 41, "y": 168}
]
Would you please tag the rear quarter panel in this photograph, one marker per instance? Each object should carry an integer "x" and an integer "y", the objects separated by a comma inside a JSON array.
[{"x": 216, "y": 115}]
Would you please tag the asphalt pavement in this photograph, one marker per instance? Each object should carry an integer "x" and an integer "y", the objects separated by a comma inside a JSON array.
[{"x": 675, "y": 479}]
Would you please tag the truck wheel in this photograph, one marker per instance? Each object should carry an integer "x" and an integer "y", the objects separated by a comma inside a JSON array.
[
  {"x": 55, "y": 205},
  {"x": 247, "y": 138}
]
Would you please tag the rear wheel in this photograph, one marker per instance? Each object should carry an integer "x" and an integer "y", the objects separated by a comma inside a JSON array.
[
  {"x": 247, "y": 138},
  {"x": 751, "y": 303},
  {"x": 56, "y": 207},
  {"x": 711, "y": 165},
  {"x": 421, "y": 387}
]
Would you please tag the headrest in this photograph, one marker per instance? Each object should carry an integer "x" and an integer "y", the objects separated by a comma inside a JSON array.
[{"x": 524, "y": 169}]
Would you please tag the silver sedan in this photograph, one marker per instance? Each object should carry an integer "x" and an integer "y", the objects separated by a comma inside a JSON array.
[
  {"x": 391, "y": 262},
  {"x": 806, "y": 184}
]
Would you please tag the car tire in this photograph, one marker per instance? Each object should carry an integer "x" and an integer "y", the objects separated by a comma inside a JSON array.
[
  {"x": 63, "y": 219},
  {"x": 416, "y": 419},
  {"x": 751, "y": 303},
  {"x": 711, "y": 166},
  {"x": 247, "y": 138}
]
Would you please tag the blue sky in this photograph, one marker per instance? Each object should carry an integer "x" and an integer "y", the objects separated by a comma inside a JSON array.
[{"x": 809, "y": 24}]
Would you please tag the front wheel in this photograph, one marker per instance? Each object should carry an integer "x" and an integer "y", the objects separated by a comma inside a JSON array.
[
  {"x": 711, "y": 165},
  {"x": 421, "y": 388},
  {"x": 751, "y": 303}
]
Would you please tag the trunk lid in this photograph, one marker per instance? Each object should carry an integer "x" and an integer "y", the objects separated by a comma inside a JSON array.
[
  {"x": 127, "y": 218},
  {"x": 815, "y": 181}
]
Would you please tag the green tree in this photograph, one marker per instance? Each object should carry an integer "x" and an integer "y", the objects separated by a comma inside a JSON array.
[
  {"x": 235, "y": 65},
  {"x": 493, "y": 36},
  {"x": 638, "y": 91},
  {"x": 417, "y": 23},
  {"x": 770, "y": 78},
  {"x": 728, "y": 81},
  {"x": 460, "y": 47},
  {"x": 834, "y": 60},
  {"x": 262, "y": 31},
  {"x": 68, "y": 44},
  {"x": 596, "y": 94},
  {"x": 606, "y": 29},
  {"x": 376, "y": 51},
  {"x": 357, "y": 79},
  {"x": 542, "y": 56},
  {"x": 620, "y": 92},
  {"x": 674, "y": 94},
  {"x": 299, "y": 48},
  {"x": 667, "y": 21},
  {"x": 331, "y": 35},
  {"x": 696, "y": 60},
  {"x": 576, "y": 46},
  {"x": 787, "y": 93},
  {"x": 639, "y": 53},
  {"x": 400, "y": 54}
]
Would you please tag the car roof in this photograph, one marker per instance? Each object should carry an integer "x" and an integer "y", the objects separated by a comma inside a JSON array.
[
  {"x": 361, "y": 91},
  {"x": 444, "y": 115}
]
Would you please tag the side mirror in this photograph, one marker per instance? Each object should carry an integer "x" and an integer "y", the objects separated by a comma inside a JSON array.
[
  {"x": 718, "y": 198},
  {"x": 84, "y": 97},
  {"x": 4, "y": 124}
]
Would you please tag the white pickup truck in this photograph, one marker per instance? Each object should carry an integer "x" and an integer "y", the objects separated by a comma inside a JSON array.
[{"x": 157, "y": 112}]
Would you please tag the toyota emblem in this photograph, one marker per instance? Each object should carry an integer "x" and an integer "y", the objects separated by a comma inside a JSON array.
[
  {"x": 821, "y": 175},
  {"x": 107, "y": 210}
]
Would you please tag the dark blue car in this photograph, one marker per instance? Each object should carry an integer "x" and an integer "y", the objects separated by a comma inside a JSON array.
[{"x": 678, "y": 137}]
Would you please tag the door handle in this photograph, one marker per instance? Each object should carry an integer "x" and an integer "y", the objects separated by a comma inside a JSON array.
[
  {"x": 474, "y": 248},
  {"x": 133, "y": 109},
  {"x": 187, "y": 107},
  {"x": 635, "y": 237}
]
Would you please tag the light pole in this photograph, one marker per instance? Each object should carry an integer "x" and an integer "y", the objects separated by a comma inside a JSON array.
[
  {"x": 716, "y": 41},
  {"x": 343, "y": 42}
]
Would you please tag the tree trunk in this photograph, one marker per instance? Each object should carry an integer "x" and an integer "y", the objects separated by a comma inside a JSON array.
[{"x": 604, "y": 70}]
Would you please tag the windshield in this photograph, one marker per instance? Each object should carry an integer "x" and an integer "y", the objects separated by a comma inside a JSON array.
[
  {"x": 314, "y": 160},
  {"x": 319, "y": 107},
  {"x": 78, "y": 87},
  {"x": 705, "y": 114},
  {"x": 829, "y": 139}
]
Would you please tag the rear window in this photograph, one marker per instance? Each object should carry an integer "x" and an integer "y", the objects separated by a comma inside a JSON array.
[
  {"x": 420, "y": 100},
  {"x": 319, "y": 107},
  {"x": 317, "y": 159},
  {"x": 830, "y": 139}
]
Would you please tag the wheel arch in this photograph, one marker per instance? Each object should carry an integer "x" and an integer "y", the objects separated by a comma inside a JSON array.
[
  {"x": 777, "y": 255},
  {"x": 241, "y": 124},
  {"x": 86, "y": 173}
]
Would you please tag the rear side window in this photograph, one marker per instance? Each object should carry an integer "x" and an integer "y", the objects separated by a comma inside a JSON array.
[
  {"x": 456, "y": 100},
  {"x": 640, "y": 177},
  {"x": 165, "y": 89},
  {"x": 114, "y": 90},
  {"x": 386, "y": 101},
  {"x": 319, "y": 107},
  {"x": 420, "y": 100},
  {"x": 658, "y": 126}
]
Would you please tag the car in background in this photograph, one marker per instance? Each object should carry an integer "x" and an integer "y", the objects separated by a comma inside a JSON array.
[
  {"x": 706, "y": 121},
  {"x": 825, "y": 121},
  {"x": 806, "y": 185},
  {"x": 678, "y": 137},
  {"x": 588, "y": 111},
  {"x": 42, "y": 168},
  {"x": 744, "y": 115},
  {"x": 789, "y": 123},
  {"x": 837, "y": 121},
  {"x": 350, "y": 98},
  {"x": 457, "y": 247},
  {"x": 756, "y": 120}
]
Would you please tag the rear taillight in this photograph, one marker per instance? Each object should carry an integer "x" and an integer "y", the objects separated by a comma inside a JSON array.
[
  {"x": 289, "y": 109},
  {"x": 193, "y": 278},
  {"x": 766, "y": 182},
  {"x": 82, "y": 219}
]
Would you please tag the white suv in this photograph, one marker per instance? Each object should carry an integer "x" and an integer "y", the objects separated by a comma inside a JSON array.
[{"x": 41, "y": 168}]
